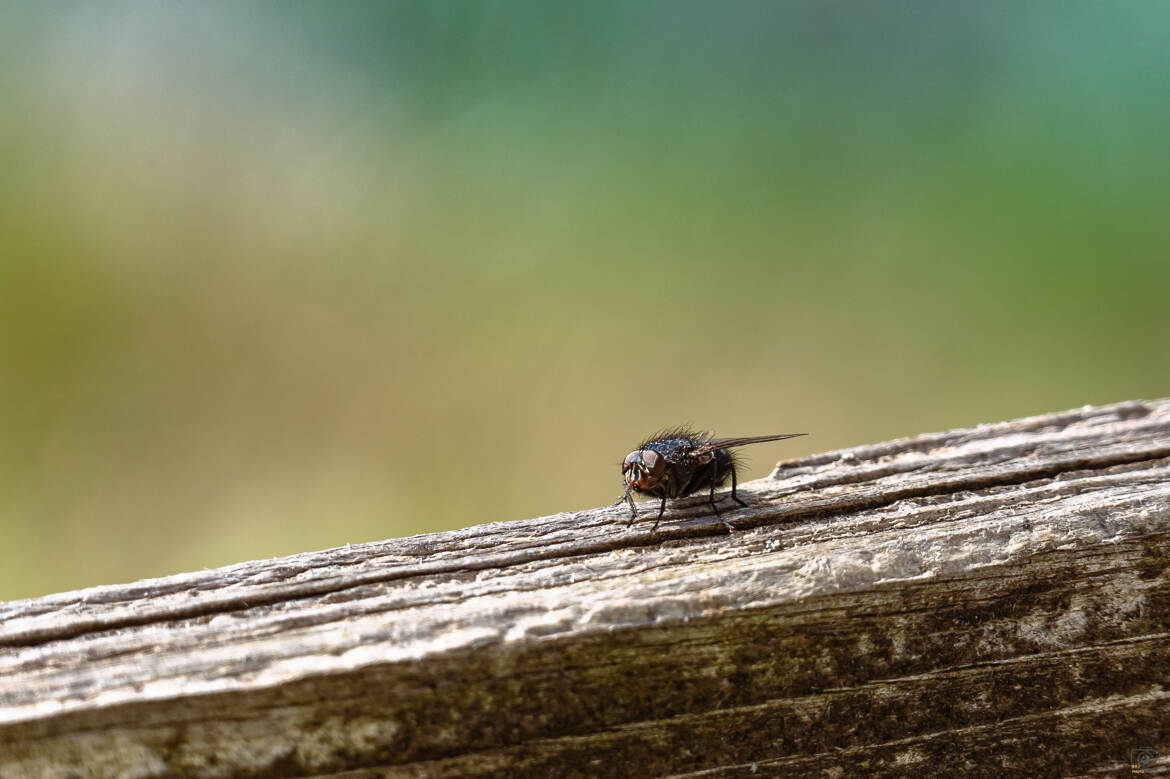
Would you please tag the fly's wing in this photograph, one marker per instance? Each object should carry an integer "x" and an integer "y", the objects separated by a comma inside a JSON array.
[{"x": 711, "y": 444}]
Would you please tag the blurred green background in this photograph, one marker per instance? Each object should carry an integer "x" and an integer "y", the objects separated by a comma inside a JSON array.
[{"x": 281, "y": 276}]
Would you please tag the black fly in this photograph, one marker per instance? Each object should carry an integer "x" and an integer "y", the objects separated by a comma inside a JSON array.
[{"x": 680, "y": 462}]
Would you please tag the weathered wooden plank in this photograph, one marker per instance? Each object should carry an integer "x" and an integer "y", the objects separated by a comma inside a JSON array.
[{"x": 981, "y": 598}]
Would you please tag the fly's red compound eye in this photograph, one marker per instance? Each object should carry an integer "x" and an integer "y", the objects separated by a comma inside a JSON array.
[
  {"x": 654, "y": 462},
  {"x": 643, "y": 469}
]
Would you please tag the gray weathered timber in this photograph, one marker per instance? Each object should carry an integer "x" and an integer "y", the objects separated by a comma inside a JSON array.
[{"x": 989, "y": 600}]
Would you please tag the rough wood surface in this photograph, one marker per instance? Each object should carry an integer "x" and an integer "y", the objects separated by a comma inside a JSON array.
[{"x": 989, "y": 600}]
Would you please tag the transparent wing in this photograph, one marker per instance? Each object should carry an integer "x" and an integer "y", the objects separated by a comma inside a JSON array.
[{"x": 711, "y": 444}]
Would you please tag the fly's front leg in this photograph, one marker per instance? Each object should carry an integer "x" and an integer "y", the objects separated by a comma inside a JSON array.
[{"x": 630, "y": 500}]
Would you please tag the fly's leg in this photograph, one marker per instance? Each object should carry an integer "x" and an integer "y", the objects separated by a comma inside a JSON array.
[
  {"x": 630, "y": 500},
  {"x": 733, "y": 495},
  {"x": 661, "y": 508},
  {"x": 711, "y": 495}
]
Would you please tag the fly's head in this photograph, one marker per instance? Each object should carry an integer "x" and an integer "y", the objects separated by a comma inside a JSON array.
[{"x": 644, "y": 469}]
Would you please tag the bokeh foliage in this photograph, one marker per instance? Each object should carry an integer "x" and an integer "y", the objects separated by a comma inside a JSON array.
[{"x": 286, "y": 275}]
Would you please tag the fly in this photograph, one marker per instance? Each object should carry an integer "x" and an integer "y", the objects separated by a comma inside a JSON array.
[{"x": 680, "y": 462}]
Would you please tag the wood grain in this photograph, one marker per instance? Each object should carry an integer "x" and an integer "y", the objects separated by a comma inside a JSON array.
[{"x": 981, "y": 600}]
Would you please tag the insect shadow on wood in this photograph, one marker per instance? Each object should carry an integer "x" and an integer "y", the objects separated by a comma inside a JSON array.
[{"x": 679, "y": 462}]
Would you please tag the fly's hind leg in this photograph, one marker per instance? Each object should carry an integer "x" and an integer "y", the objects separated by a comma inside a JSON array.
[
  {"x": 711, "y": 497},
  {"x": 661, "y": 508},
  {"x": 733, "y": 483},
  {"x": 734, "y": 497}
]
